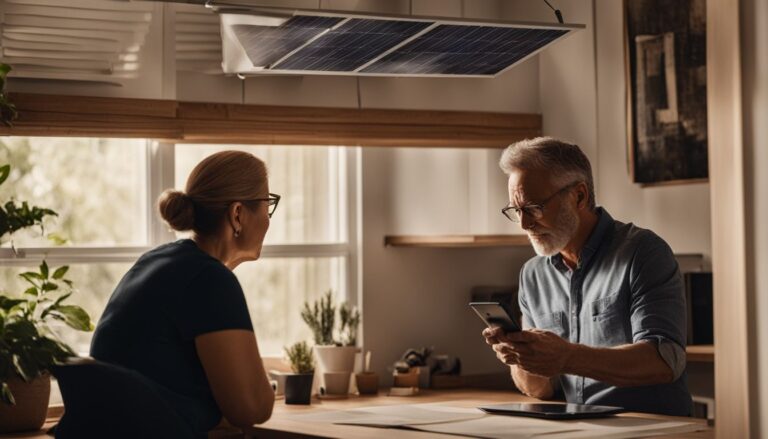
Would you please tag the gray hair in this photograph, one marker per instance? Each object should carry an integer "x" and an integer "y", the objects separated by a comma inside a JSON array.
[{"x": 565, "y": 161}]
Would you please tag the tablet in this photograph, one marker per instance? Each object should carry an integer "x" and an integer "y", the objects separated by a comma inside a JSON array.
[{"x": 552, "y": 411}]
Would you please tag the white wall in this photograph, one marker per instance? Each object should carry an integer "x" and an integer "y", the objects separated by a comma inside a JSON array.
[{"x": 754, "y": 55}]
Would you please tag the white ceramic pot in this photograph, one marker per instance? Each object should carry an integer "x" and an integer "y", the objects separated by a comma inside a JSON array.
[{"x": 336, "y": 358}]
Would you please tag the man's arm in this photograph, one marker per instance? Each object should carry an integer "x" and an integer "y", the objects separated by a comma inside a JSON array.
[
  {"x": 544, "y": 353},
  {"x": 532, "y": 385}
]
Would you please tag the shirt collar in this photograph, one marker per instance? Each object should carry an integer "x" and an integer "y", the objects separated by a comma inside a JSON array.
[{"x": 604, "y": 222}]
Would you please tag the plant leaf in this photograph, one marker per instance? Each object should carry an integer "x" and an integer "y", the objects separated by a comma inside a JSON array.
[
  {"x": 60, "y": 272},
  {"x": 44, "y": 270},
  {"x": 57, "y": 239},
  {"x": 5, "y": 171},
  {"x": 7, "y": 303},
  {"x": 49, "y": 286},
  {"x": 7, "y": 396},
  {"x": 74, "y": 316},
  {"x": 32, "y": 291}
]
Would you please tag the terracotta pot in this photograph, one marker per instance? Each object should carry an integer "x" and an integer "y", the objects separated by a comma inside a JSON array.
[{"x": 31, "y": 405}]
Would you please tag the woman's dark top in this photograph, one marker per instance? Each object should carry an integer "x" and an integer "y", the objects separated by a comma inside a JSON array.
[{"x": 170, "y": 296}]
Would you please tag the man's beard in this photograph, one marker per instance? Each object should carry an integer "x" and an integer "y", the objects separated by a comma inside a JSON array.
[{"x": 553, "y": 241}]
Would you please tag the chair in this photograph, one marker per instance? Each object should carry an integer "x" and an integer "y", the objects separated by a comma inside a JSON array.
[{"x": 105, "y": 400}]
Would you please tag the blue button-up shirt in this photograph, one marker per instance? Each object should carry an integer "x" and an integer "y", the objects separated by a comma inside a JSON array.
[{"x": 626, "y": 289}]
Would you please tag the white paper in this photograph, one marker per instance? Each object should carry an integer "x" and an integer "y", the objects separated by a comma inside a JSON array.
[
  {"x": 515, "y": 427},
  {"x": 472, "y": 422},
  {"x": 394, "y": 415}
]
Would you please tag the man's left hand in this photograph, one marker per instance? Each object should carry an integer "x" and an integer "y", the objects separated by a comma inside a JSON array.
[{"x": 540, "y": 352}]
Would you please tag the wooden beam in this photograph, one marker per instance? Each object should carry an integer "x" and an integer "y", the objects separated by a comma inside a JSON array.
[
  {"x": 49, "y": 115},
  {"x": 733, "y": 390}
]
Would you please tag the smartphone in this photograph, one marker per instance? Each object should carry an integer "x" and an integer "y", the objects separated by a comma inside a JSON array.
[{"x": 495, "y": 314}]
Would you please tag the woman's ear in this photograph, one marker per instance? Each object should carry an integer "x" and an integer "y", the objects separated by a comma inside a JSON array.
[{"x": 234, "y": 216}]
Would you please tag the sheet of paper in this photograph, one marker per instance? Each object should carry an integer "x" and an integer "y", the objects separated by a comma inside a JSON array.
[
  {"x": 394, "y": 415},
  {"x": 471, "y": 422},
  {"x": 514, "y": 427}
]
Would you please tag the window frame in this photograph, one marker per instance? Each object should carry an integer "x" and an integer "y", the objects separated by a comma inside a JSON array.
[{"x": 160, "y": 170}]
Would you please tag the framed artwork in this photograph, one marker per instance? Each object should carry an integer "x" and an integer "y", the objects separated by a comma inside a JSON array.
[{"x": 666, "y": 72}]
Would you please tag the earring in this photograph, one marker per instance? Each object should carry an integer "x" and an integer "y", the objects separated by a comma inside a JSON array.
[{"x": 237, "y": 233}]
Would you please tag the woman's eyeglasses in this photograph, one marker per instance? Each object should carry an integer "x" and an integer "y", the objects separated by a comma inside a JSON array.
[{"x": 272, "y": 201}]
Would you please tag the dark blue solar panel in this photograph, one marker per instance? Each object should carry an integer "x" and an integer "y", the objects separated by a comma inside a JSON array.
[
  {"x": 351, "y": 45},
  {"x": 465, "y": 50},
  {"x": 267, "y": 44}
]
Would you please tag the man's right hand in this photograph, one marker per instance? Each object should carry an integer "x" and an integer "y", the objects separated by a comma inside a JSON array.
[
  {"x": 497, "y": 339},
  {"x": 530, "y": 384}
]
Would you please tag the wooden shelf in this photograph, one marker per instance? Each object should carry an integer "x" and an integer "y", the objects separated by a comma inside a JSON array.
[
  {"x": 456, "y": 241},
  {"x": 701, "y": 353}
]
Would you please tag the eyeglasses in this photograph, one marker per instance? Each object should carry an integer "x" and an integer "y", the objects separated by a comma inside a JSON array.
[
  {"x": 272, "y": 201},
  {"x": 535, "y": 211}
]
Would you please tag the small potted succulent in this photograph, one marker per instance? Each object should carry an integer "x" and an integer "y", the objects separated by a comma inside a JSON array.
[
  {"x": 298, "y": 385},
  {"x": 28, "y": 346},
  {"x": 335, "y": 348}
]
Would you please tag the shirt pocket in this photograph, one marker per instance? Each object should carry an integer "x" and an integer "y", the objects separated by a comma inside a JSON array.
[
  {"x": 608, "y": 322},
  {"x": 553, "y": 322}
]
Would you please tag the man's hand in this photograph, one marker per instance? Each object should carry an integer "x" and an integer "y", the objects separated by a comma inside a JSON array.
[{"x": 535, "y": 351}]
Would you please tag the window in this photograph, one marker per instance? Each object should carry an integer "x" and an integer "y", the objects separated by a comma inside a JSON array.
[{"x": 105, "y": 191}]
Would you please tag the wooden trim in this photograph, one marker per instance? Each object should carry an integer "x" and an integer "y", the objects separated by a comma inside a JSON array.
[
  {"x": 700, "y": 353},
  {"x": 456, "y": 241},
  {"x": 726, "y": 173},
  {"x": 53, "y": 115}
]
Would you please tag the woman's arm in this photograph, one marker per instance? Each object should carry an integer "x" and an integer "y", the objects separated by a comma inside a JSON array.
[{"x": 237, "y": 377}]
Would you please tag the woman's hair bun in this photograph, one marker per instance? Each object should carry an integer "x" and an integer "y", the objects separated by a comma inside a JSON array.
[{"x": 177, "y": 209}]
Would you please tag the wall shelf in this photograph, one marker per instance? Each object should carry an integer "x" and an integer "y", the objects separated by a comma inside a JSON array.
[
  {"x": 456, "y": 241},
  {"x": 701, "y": 353}
]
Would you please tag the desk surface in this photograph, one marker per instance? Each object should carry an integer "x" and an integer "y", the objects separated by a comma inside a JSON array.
[{"x": 282, "y": 426}]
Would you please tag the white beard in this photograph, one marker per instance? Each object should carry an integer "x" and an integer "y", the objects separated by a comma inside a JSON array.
[{"x": 554, "y": 241}]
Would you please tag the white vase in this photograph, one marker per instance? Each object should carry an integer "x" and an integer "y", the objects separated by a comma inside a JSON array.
[{"x": 334, "y": 359}]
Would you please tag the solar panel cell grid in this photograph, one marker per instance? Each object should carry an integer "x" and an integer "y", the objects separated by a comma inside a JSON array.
[
  {"x": 351, "y": 45},
  {"x": 265, "y": 45},
  {"x": 465, "y": 50}
]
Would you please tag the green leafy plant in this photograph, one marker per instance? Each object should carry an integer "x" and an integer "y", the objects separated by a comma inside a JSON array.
[
  {"x": 300, "y": 356},
  {"x": 28, "y": 347},
  {"x": 320, "y": 316},
  {"x": 8, "y": 111},
  {"x": 15, "y": 216}
]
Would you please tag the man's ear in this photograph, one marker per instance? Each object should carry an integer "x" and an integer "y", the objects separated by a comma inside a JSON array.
[{"x": 582, "y": 195}]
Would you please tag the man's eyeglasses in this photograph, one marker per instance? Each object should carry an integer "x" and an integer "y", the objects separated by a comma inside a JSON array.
[
  {"x": 272, "y": 201},
  {"x": 535, "y": 211}
]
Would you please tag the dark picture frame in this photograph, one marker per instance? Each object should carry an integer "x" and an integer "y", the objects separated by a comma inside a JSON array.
[{"x": 665, "y": 68}]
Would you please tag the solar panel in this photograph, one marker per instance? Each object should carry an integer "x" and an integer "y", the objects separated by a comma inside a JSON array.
[
  {"x": 344, "y": 44},
  {"x": 351, "y": 45},
  {"x": 465, "y": 50},
  {"x": 265, "y": 45}
]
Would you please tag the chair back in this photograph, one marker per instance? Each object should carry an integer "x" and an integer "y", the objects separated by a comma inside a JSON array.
[{"x": 105, "y": 400}]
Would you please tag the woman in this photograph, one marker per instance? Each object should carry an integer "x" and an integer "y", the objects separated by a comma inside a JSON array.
[{"x": 179, "y": 316}]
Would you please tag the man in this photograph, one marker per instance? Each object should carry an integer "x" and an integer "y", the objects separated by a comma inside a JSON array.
[{"x": 603, "y": 305}]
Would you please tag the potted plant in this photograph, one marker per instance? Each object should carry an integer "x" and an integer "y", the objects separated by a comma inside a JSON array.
[
  {"x": 7, "y": 109},
  {"x": 298, "y": 385},
  {"x": 335, "y": 348},
  {"x": 28, "y": 347}
]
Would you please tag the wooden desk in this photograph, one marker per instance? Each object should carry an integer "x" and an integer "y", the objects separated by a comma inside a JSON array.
[{"x": 281, "y": 426}]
